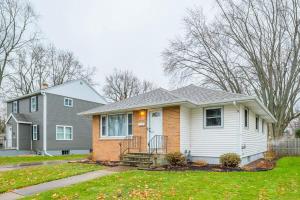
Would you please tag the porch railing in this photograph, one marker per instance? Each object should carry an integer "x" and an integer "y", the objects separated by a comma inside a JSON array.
[
  {"x": 158, "y": 144},
  {"x": 130, "y": 143}
]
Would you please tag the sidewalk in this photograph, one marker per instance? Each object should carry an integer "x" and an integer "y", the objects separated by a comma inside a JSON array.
[
  {"x": 4, "y": 168},
  {"x": 27, "y": 191}
]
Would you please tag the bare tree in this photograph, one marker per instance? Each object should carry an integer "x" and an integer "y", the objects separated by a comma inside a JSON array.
[
  {"x": 253, "y": 48},
  {"x": 15, "y": 19},
  {"x": 121, "y": 85},
  {"x": 37, "y": 65}
]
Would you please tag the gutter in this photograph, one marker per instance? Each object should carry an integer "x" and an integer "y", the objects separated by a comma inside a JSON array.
[{"x": 45, "y": 124}]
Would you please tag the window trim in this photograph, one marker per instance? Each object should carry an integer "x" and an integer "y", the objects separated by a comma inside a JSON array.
[
  {"x": 257, "y": 118},
  {"x": 248, "y": 116},
  {"x": 67, "y": 105},
  {"x": 204, "y": 117},
  {"x": 35, "y": 108},
  {"x": 36, "y": 133},
  {"x": 115, "y": 137},
  {"x": 15, "y": 106},
  {"x": 64, "y": 127},
  {"x": 262, "y": 126}
]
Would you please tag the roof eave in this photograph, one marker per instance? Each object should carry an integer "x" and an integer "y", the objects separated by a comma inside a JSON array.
[{"x": 135, "y": 108}]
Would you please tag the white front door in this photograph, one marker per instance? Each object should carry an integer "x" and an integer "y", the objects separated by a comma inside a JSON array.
[
  {"x": 9, "y": 137},
  {"x": 155, "y": 124}
]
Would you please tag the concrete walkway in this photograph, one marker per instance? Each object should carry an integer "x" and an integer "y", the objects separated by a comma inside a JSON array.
[
  {"x": 27, "y": 191},
  {"x": 4, "y": 168}
]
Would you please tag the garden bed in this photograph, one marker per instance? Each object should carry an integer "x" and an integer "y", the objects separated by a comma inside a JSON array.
[{"x": 256, "y": 166}]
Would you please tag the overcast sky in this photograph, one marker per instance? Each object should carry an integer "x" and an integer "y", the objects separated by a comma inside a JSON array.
[{"x": 112, "y": 34}]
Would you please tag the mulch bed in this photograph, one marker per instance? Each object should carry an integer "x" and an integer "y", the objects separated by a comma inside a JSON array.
[
  {"x": 256, "y": 166},
  {"x": 104, "y": 163}
]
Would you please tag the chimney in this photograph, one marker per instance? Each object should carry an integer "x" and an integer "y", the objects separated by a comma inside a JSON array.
[{"x": 44, "y": 86}]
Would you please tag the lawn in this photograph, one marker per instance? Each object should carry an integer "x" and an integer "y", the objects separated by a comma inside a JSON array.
[
  {"x": 34, "y": 175},
  {"x": 36, "y": 158},
  {"x": 283, "y": 182}
]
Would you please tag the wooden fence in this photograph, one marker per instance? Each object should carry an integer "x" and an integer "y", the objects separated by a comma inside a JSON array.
[{"x": 286, "y": 147}]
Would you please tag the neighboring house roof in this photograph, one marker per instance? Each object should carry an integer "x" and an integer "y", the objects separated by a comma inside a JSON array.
[
  {"x": 19, "y": 118},
  {"x": 79, "y": 89},
  {"x": 192, "y": 95}
]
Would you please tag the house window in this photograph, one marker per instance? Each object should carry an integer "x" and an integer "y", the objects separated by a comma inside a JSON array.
[
  {"x": 64, "y": 132},
  {"x": 246, "y": 118},
  {"x": 129, "y": 125},
  {"x": 33, "y": 104},
  {"x": 257, "y": 123},
  {"x": 213, "y": 117},
  {"x": 263, "y": 126},
  {"x": 68, "y": 102},
  {"x": 34, "y": 132},
  {"x": 104, "y": 125},
  {"x": 116, "y": 125},
  {"x": 15, "y": 106}
]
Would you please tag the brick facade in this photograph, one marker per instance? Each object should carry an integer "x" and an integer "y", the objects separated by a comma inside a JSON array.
[{"x": 109, "y": 149}]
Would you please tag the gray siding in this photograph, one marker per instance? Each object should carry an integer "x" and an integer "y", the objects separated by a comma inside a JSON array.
[
  {"x": 35, "y": 117},
  {"x": 58, "y": 114},
  {"x": 14, "y": 126},
  {"x": 24, "y": 137}
]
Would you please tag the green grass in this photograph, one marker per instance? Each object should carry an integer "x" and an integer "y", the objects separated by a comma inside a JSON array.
[
  {"x": 36, "y": 158},
  {"x": 283, "y": 182},
  {"x": 34, "y": 175}
]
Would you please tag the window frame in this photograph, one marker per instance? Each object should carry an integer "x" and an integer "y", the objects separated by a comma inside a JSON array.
[
  {"x": 64, "y": 128},
  {"x": 35, "y": 108},
  {"x": 15, "y": 105},
  {"x": 68, "y": 99},
  {"x": 205, "y": 121},
  {"x": 262, "y": 126},
  {"x": 248, "y": 120},
  {"x": 107, "y": 136},
  {"x": 35, "y": 133},
  {"x": 257, "y": 118}
]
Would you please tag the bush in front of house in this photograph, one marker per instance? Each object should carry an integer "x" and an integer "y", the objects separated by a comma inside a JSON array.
[
  {"x": 176, "y": 159},
  {"x": 297, "y": 133},
  {"x": 230, "y": 160}
]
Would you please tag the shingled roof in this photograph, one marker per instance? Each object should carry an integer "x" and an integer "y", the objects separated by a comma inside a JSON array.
[{"x": 190, "y": 94}]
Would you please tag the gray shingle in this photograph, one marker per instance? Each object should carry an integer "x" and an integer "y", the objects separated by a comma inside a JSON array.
[
  {"x": 21, "y": 117},
  {"x": 199, "y": 95},
  {"x": 192, "y": 94}
]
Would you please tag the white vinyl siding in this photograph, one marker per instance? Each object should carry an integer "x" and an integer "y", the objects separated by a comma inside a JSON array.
[
  {"x": 64, "y": 132},
  {"x": 213, "y": 142},
  {"x": 185, "y": 116},
  {"x": 255, "y": 141}
]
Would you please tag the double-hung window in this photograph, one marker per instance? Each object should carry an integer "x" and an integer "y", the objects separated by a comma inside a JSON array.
[
  {"x": 257, "y": 123},
  {"x": 68, "y": 102},
  {"x": 15, "y": 105},
  {"x": 246, "y": 117},
  {"x": 34, "y": 132},
  {"x": 116, "y": 125},
  {"x": 64, "y": 132},
  {"x": 263, "y": 126},
  {"x": 33, "y": 104},
  {"x": 213, "y": 117}
]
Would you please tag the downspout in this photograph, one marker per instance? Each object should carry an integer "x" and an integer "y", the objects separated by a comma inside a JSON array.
[
  {"x": 45, "y": 125},
  {"x": 238, "y": 108}
]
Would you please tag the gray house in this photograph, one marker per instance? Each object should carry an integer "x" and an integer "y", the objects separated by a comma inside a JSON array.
[{"x": 46, "y": 121}]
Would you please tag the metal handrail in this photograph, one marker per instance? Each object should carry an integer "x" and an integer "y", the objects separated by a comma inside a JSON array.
[
  {"x": 130, "y": 143},
  {"x": 158, "y": 144}
]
